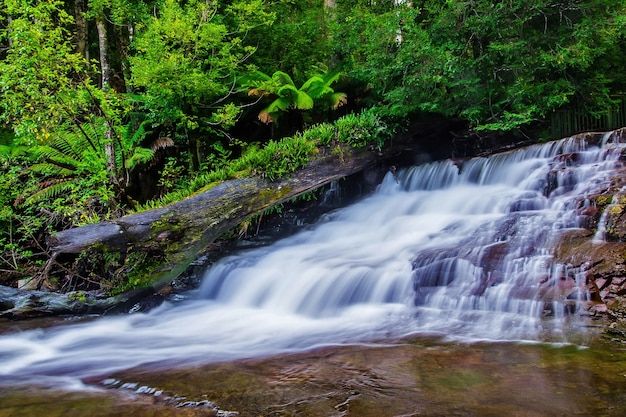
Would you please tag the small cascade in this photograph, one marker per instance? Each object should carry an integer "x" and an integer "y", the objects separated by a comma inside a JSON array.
[
  {"x": 332, "y": 195},
  {"x": 600, "y": 234},
  {"x": 454, "y": 248}
]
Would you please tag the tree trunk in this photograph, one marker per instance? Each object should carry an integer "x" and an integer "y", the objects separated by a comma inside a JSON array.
[
  {"x": 81, "y": 28},
  {"x": 194, "y": 151},
  {"x": 9, "y": 39},
  {"x": 103, "y": 45},
  {"x": 123, "y": 35},
  {"x": 105, "y": 70},
  {"x": 109, "y": 150}
]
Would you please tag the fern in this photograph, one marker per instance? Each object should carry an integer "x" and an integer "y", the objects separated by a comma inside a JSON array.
[
  {"x": 48, "y": 168},
  {"x": 139, "y": 156},
  {"x": 51, "y": 189},
  {"x": 132, "y": 137}
]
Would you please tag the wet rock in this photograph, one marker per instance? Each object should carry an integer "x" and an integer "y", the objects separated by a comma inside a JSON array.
[{"x": 22, "y": 304}]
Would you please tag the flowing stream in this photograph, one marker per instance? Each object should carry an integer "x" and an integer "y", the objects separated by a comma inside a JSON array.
[{"x": 448, "y": 249}]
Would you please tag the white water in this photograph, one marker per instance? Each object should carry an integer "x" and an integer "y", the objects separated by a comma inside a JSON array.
[{"x": 441, "y": 251}]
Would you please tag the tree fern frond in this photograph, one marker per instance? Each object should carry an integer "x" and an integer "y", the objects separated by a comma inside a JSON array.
[
  {"x": 254, "y": 78},
  {"x": 319, "y": 91},
  {"x": 331, "y": 77},
  {"x": 138, "y": 135},
  {"x": 50, "y": 189},
  {"x": 72, "y": 144},
  {"x": 52, "y": 155},
  {"x": 303, "y": 101},
  {"x": 20, "y": 150},
  {"x": 139, "y": 156},
  {"x": 282, "y": 78},
  {"x": 338, "y": 100},
  {"x": 315, "y": 80},
  {"x": 288, "y": 91},
  {"x": 64, "y": 146},
  {"x": 161, "y": 143},
  {"x": 265, "y": 117},
  {"x": 278, "y": 105},
  {"x": 65, "y": 164},
  {"x": 47, "y": 168}
]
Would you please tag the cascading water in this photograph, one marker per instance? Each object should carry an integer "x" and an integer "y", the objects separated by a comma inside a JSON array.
[{"x": 448, "y": 248}]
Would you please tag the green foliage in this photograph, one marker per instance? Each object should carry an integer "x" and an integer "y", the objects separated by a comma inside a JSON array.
[
  {"x": 40, "y": 73},
  {"x": 316, "y": 88},
  {"x": 73, "y": 180},
  {"x": 114, "y": 272},
  {"x": 323, "y": 133},
  {"x": 296, "y": 41},
  {"x": 129, "y": 271},
  {"x": 218, "y": 159},
  {"x": 362, "y": 130},
  {"x": 14, "y": 244},
  {"x": 187, "y": 57},
  {"x": 500, "y": 66},
  {"x": 277, "y": 159},
  {"x": 280, "y": 158},
  {"x": 78, "y": 296},
  {"x": 305, "y": 197},
  {"x": 7, "y": 142},
  {"x": 170, "y": 175}
]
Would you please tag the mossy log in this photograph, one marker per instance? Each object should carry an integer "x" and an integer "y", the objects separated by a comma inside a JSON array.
[{"x": 178, "y": 232}]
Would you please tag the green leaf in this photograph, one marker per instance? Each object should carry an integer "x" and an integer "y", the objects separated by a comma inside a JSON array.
[{"x": 139, "y": 156}]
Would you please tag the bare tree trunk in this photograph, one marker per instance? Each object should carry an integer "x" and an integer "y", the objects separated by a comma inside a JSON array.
[
  {"x": 109, "y": 150},
  {"x": 105, "y": 70},
  {"x": 103, "y": 45}
]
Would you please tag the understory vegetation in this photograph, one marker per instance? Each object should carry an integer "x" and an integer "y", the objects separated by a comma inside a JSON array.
[{"x": 113, "y": 106}]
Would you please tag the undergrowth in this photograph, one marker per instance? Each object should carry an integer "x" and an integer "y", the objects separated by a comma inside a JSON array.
[{"x": 278, "y": 159}]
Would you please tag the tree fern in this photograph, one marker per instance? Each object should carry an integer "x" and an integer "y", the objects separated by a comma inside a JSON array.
[
  {"x": 315, "y": 89},
  {"x": 134, "y": 136},
  {"x": 51, "y": 189},
  {"x": 64, "y": 161},
  {"x": 139, "y": 156}
]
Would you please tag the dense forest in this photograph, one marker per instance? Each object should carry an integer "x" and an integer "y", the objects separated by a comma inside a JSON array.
[{"x": 114, "y": 106}]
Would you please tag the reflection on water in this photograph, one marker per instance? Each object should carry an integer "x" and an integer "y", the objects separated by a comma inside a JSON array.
[{"x": 424, "y": 377}]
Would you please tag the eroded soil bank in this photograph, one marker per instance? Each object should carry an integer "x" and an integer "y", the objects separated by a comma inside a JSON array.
[{"x": 424, "y": 377}]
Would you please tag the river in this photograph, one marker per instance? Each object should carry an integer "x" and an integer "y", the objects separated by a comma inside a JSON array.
[{"x": 422, "y": 298}]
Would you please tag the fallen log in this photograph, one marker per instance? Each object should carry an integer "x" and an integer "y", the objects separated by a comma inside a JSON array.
[{"x": 178, "y": 232}]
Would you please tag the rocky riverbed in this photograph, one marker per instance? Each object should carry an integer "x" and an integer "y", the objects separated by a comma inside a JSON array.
[{"x": 422, "y": 377}]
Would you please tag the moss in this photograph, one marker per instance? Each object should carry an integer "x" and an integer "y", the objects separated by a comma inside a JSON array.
[
  {"x": 207, "y": 187},
  {"x": 139, "y": 270},
  {"x": 603, "y": 200},
  {"x": 616, "y": 209},
  {"x": 268, "y": 195},
  {"x": 78, "y": 296}
]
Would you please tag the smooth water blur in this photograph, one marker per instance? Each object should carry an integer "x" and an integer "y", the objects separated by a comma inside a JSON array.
[{"x": 448, "y": 248}]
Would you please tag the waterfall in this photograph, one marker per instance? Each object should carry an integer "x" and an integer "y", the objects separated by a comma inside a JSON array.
[{"x": 451, "y": 248}]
